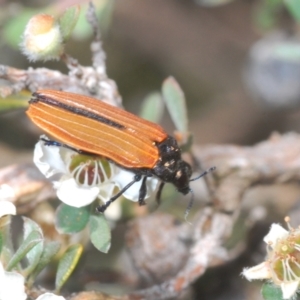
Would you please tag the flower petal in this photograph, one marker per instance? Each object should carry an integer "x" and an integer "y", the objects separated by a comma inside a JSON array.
[
  {"x": 71, "y": 194},
  {"x": 48, "y": 159},
  {"x": 12, "y": 285},
  {"x": 260, "y": 271},
  {"x": 124, "y": 177},
  {"x": 106, "y": 191},
  {"x": 276, "y": 232},
  {"x": 50, "y": 296},
  {"x": 6, "y": 192},
  {"x": 114, "y": 212},
  {"x": 289, "y": 289},
  {"x": 7, "y": 208},
  {"x": 2, "y": 272}
]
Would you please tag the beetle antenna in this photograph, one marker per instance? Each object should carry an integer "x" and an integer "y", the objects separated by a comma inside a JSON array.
[
  {"x": 188, "y": 208},
  {"x": 203, "y": 174}
]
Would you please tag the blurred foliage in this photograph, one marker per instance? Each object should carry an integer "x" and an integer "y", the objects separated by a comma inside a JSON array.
[
  {"x": 14, "y": 101},
  {"x": 13, "y": 26},
  {"x": 268, "y": 12},
  {"x": 293, "y": 7},
  {"x": 68, "y": 21}
]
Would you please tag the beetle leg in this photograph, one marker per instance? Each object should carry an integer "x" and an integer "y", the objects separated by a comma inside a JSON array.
[
  {"x": 143, "y": 191},
  {"x": 158, "y": 194},
  {"x": 102, "y": 208},
  {"x": 58, "y": 144}
]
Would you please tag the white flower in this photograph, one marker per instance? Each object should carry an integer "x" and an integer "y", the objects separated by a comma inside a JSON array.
[
  {"x": 7, "y": 208},
  {"x": 80, "y": 179},
  {"x": 50, "y": 296},
  {"x": 282, "y": 265},
  {"x": 11, "y": 285},
  {"x": 122, "y": 178},
  {"x": 6, "y": 192}
]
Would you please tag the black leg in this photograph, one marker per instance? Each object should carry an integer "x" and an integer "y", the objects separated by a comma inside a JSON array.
[
  {"x": 159, "y": 191},
  {"x": 143, "y": 191},
  {"x": 103, "y": 207},
  {"x": 58, "y": 144}
]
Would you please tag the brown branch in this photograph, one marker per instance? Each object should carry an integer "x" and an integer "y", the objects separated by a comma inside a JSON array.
[
  {"x": 274, "y": 161},
  {"x": 25, "y": 186},
  {"x": 160, "y": 257}
]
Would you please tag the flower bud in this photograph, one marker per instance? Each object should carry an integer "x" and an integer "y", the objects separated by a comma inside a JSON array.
[{"x": 42, "y": 39}]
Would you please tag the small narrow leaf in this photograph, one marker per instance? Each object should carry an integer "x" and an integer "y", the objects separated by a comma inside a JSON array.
[
  {"x": 266, "y": 16},
  {"x": 294, "y": 8},
  {"x": 32, "y": 240},
  {"x": 70, "y": 219},
  {"x": 176, "y": 104},
  {"x": 33, "y": 256},
  {"x": 68, "y": 21},
  {"x": 14, "y": 101},
  {"x": 153, "y": 107},
  {"x": 7, "y": 250},
  {"x": 1, "y": 241},
  {"x": 67, "y": 264},
  {"x": 100, "y": 233},
  {"x": 270, "y": 291},
  {"x": 187, "y": 146},
  {"x": 50, "y": 250}
]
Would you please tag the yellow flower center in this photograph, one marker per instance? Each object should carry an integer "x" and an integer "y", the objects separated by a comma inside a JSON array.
[{"x": 285, "y": 259}]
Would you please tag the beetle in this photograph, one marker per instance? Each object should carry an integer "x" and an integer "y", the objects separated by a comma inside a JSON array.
[{"x": 89, "y": 125}]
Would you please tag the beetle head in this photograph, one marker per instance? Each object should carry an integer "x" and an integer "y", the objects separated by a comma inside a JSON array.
[{"x": 182, "y": 177}]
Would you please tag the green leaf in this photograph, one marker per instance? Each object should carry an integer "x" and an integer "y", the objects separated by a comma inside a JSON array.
[
  {"x": 7, "y": 250},
  {"x": 153, "y": 107},
  {"x": 100, "y": 234},
  {"x": 266, "y": 15},
  {"x": 50, "y": 250},
  {"x": 67, "y": 264},
  {"x": 293, "y": 7},
  {"x": 70, "y": 219},
  {"x": 1, "y": 242},
  {"x": 187, "y": 146},
  {"x": 68, "y": 21},
  {"x": 104, "y": 11},
  {"x": 33, "y": 239},
  {"x": 270, "y": 291},
  {"x": 175, "y": 102},
  {"x": 82, "y": 29},
  {"x": 33, "y": 256},
  {"x": 15, "y": 101}
]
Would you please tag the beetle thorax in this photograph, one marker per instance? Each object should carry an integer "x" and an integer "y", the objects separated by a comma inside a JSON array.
[{"x": 170, "y": 167}]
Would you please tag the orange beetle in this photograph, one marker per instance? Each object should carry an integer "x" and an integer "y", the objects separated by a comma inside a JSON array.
[{"x": 88, "y": 125}]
